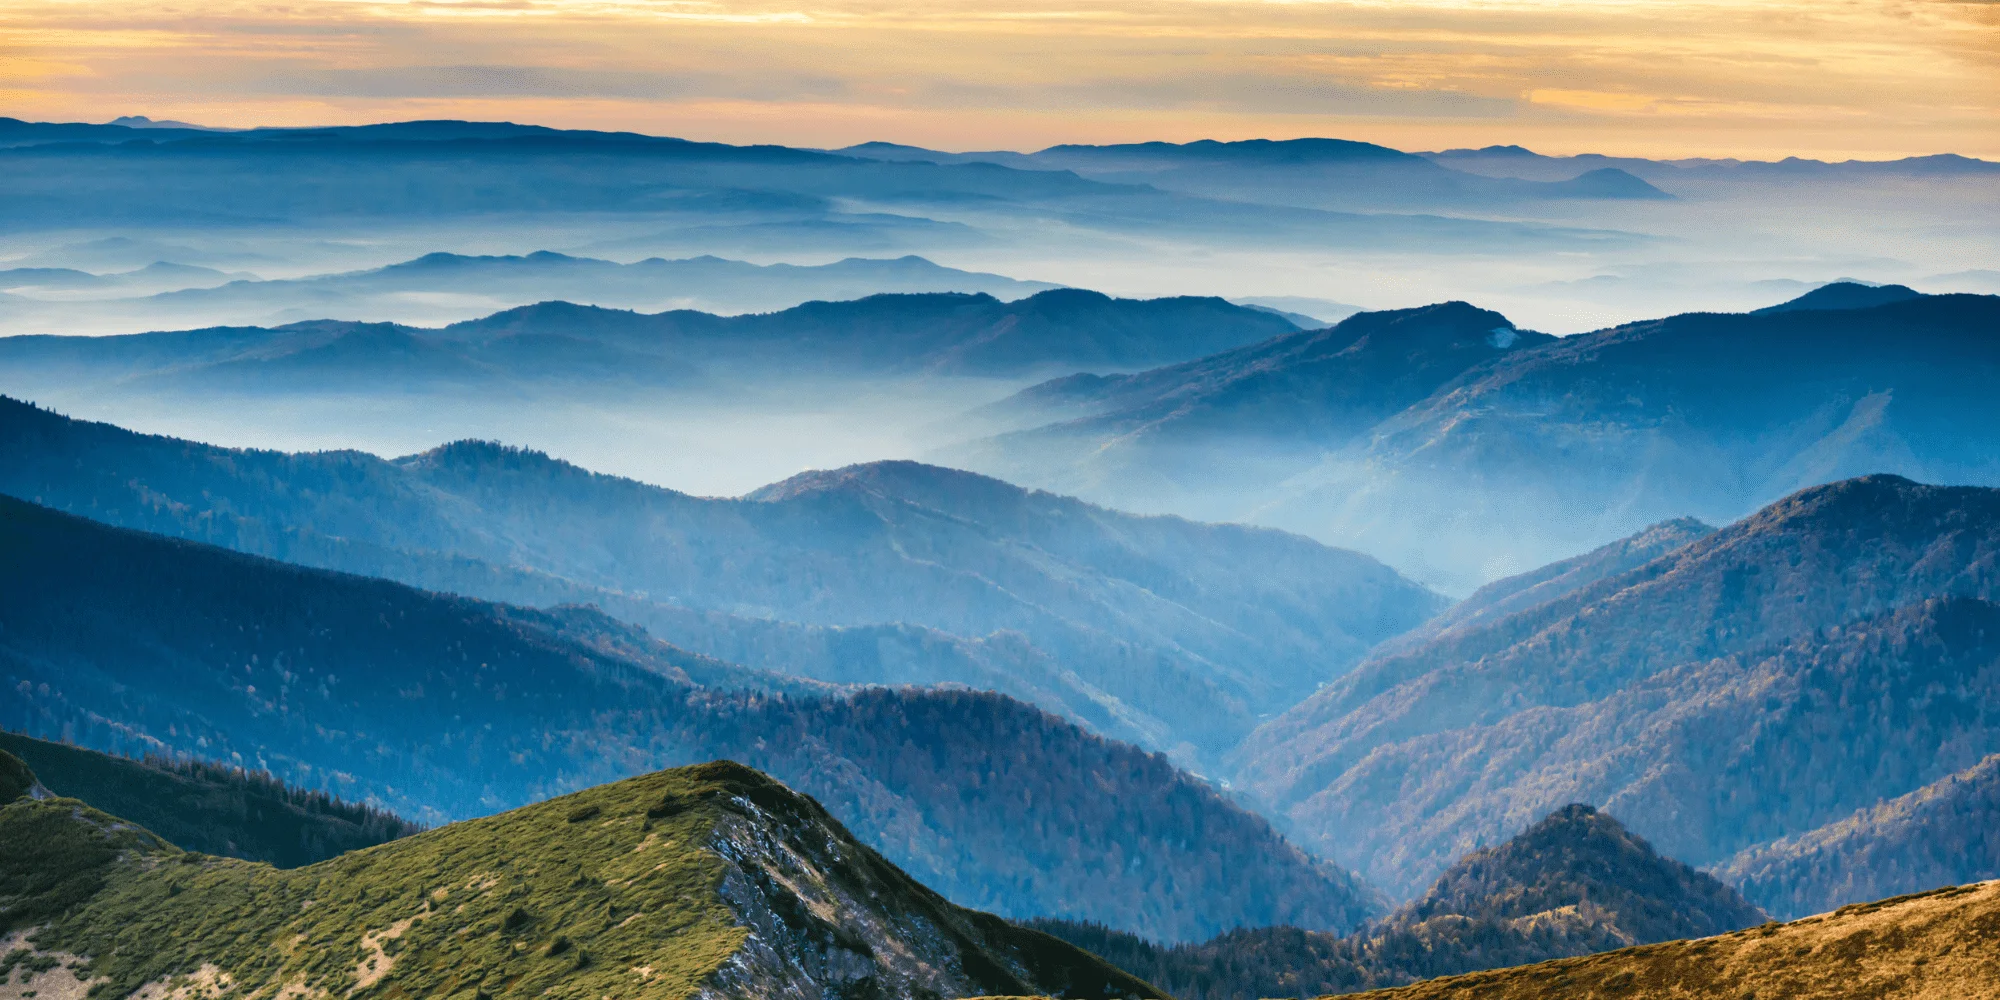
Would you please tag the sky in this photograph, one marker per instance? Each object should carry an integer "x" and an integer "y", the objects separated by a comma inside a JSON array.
[{"x": 1665, "y": 78}]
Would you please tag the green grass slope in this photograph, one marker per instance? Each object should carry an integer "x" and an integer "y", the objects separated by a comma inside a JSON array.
[
  {"x": 200, "y": 806},
  {"x": 1942, "y": 945},
  {"x": 711, "y": 880}
]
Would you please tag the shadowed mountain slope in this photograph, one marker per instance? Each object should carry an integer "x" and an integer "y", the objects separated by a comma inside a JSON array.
[
  {"x": 199, "y": 806},
  {"x": 1167, "y": 632},
  {"x": 444, "y": 707},
  {"x": 1501, "y": 598},
  {"x": 1312, "y": 390},
  {"x": 710, "y": 881},
  {"x": 1945, "y": 833},
  {"x": 1938, "y": 946},
  {"x": 1844, "y": 633},
  {"x": 1573, "y": 884}
]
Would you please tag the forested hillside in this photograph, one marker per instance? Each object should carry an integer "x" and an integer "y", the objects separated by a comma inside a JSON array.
[
  {"x": 1945, "y": 833},
  {"x": 1165, "y": 632},
  {"x": 1573, "y": 884},
  {"x": 443, "y": 707},
  {"x": 200, "y": 806},
  {"x": 1835, "y": 650},
  {"x": 712, "y": 878}
]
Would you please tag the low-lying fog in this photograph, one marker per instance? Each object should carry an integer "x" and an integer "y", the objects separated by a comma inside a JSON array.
[{"x": 708, "y": 445}]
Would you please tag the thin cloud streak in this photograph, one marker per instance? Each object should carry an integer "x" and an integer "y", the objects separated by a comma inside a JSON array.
[{"x": 1659, "y": 78}]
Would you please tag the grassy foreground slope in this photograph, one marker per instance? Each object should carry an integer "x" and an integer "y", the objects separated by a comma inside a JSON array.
[
  {"x": 200, "y": 806},
  {"x": 1942, "y": 945},
  {"x": 711, "y": 880}
]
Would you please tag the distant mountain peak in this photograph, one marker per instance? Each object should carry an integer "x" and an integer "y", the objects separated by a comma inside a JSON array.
[
  {"x": 1845, "y": 294},
  {"x": 1610, "y": 182},
  {"x": 141, "y": 121},
  {"x": 891, "y": 477},
  {"x": 469, "y": 455},
  {"x": 1442, "y": 324}
]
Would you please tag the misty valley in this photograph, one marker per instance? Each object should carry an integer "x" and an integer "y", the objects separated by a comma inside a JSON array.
[{"x": 472, "y": 560}]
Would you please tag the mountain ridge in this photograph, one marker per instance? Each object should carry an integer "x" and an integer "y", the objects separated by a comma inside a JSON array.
[{"x": 756, "y": 891}]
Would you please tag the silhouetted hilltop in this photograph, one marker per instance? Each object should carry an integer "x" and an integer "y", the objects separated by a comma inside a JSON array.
[{"x": 1844, "y": 295}]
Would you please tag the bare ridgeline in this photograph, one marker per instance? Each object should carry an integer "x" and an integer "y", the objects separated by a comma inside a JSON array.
[{"x": 1107, "y": 645}]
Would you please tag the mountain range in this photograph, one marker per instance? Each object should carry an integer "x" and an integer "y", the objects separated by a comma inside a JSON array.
[
  {"x": 711, "y": 195},
  {"x": 1450, "y": 469},
  {"x": 1321, "y": 173},
  {"x": 1172, "y": 634},
  {"x": 441, "y": 288},
  {"x": 443, "y": 707},
  {"x": 1590, "y": 240},
  {"x": 1757, "y": 682},
  {"x": 557, "y": 345}
]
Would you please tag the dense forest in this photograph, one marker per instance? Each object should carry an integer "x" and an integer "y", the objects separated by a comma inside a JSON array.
[
  {"x": 199, "y": 805},
  {"x": 1945, "y": 833},
  {"x": 443, "y": 707}
]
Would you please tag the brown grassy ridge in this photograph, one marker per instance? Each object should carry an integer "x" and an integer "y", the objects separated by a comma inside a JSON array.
[{"x": 1940, "y": 945}]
